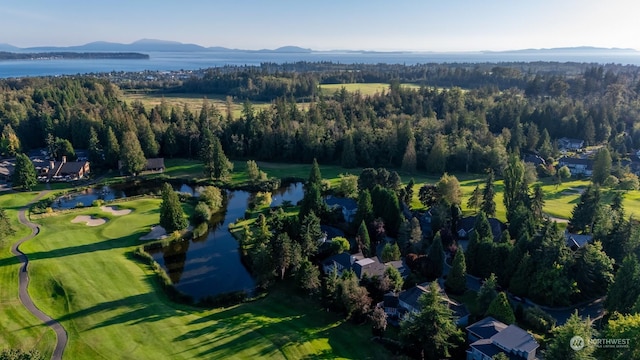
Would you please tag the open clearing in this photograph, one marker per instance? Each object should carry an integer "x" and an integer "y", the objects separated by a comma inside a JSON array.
[
  {"x": 87, "y": 279},
  {"x": 364, "y": 88}
]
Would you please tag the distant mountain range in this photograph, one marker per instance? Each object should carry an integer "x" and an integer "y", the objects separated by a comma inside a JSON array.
[
  {"x": 145, "y": 45},
  {"x": 153, "y": 45}
]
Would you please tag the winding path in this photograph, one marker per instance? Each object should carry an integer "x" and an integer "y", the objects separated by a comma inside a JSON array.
[{"x": 23, "y": 279}]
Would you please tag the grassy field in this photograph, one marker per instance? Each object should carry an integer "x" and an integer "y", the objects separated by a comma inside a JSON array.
[
  {"x": 18, "y": 327},
  {"x": 364, "y": 88},
  {"x": 85, "y": 277}
]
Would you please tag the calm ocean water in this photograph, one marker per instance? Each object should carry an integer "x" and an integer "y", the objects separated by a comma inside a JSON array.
[{"x": 162, "y": 61}]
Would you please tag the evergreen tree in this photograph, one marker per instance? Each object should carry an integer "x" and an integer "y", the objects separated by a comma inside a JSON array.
[
  {"x": 521, "y": 279},
  {"x": 416, "y": 237},
  {"x": 131, "y": 155},
  {"x": 314, "y": 175},
  {"x": 625, "y": 289},
  {"x": 408, "y": 193},
  {"x": 560, "y": 346},
  {"x": 282, "y": 250},
  {"x": 348, "y": 153},
  {"x": 365, "y": 208},
  {"x": 310, "y": 233},
  {"x": 601, "y": 166},
  {"x": 457, "y": 279},
  {"x": 24, "y": 174},
  {"x": 537, "y": 203},
  {"x": 436, "y": 258},
  {"x": 501, "y": 310},
  {"x": 475, "y": 199},
  {"x": 308, "y": 277},
  {"x": 222, "y": 167},
  {"x": 171, "y": 214},
  {"x": 583, "y": 216},
  {"x": 363, "y": 239},
  {"x": 312, "y": 201},
  {"x": 514, "y": 182},
  {"x": 9, "y": 141},
  {"x": 437, "y": 158},
  {"x": 488, "y": 205},
  {"x": 593, "y": 270},
  {"x": 111, "y": 148},
  {"x": 487, "y": 293},
  {"x": 409, "y": 158},
  {"x": 95, "y": 151},
  {"x": 431, "y": 332}
]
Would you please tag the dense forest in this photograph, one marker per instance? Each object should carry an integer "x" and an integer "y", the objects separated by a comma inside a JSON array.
[{"x": 460, "y": 127}]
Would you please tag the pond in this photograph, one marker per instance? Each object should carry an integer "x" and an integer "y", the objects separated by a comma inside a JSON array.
[
  {"x": 292, "y": 193},
  {"x": 211, "y": 265},
  {"x": 87, "y": 196}
]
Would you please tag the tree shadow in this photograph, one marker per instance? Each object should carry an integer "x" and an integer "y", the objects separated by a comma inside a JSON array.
[{"x": 107, "y": 244}]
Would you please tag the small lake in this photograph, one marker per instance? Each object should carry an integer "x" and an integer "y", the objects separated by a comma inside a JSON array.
[
  {"x": 87, "y": 196},
  {"x": 211, "y": 265}
]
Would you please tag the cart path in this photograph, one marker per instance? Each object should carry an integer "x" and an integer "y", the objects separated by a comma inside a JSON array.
[{"x": 23, "y": 280}]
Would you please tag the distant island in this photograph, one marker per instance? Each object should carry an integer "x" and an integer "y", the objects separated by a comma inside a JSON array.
[{"x": 59, "y": 55}]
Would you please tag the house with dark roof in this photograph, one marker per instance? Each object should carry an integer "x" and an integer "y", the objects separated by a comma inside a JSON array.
[
  {"x": 576, "y": 241},
  {"x": 565, "y": 143},
  {"x": 61, "y": 170},
  {"x": 347, "y": 206},
  {"x": 577, "y": 166},
  {"x": 369, "y": 267},
  {"x": 534, "y": 159},
  {"x": 155, "y": 165},
  {"x": 341, "y": 262},
  {"x": 467, "y": 224},
  {"x": 407, "y": 301},
  {"x": 489, "y": 337},
  {"x": 7, "y": 166}
]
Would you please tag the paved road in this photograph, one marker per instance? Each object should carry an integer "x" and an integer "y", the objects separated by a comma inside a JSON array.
[{"x": 61, "y": 333}]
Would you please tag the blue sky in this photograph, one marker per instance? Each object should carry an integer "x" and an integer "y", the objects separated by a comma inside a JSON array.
[{"x": 443, "y": 25}]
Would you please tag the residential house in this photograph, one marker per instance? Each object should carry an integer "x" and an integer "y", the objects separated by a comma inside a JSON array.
[
  {"x": 7, "y": 166},
  {"x": 396, "y": 306},
  {"x": 466, "y": 225},
  {"x": 347, "y": 206},
  {"x": 61, "y": 170},
  {"x": 155, "y": 165},
  {"x": 489, "y": 337},
  {"x": 534, "y": 159},
  {"x": 369, "y": 267},
  {"x": 577, "y": 166},
  {"x": 568, "y": 144},
  {"x": 341, "y": 263},
  {"x": 576, "y": 241}
]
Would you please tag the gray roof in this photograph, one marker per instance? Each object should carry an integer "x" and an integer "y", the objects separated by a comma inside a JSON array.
[
  {"x": 154, "y": 163},
  {"x": 515, "y": 338},
  {"x": 576, "y": 240},
  {"x": 486, "y": 328},
  {"x": 469, "y": 222},
  {"x": 72, "y": 167},
  {"x": 486, "y": 347},
  {"x": 573, "y": 161},
  {"x": 370, "y": 266},
  {"x": 411, "y": 296},
  {"x": 343, "y": 259}
]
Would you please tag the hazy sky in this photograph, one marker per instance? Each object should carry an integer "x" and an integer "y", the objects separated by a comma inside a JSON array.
[{"x": 443, "y": 25}]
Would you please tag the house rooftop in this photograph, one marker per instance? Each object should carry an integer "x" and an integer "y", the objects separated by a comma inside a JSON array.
[
  {"x": 370, "y": 267},
  {"x": 486, "y": 327},
  {"x": 576, "y": 240},
  {"x": 486, "y": 347},
  {"x": 515, "y": 338},
  {"x": 344, "y": 259}
]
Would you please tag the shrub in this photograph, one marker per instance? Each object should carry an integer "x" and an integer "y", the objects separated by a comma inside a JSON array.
[
  {"x": 201, "y": 213},
  {"x": 538, "y": 320},
  {"x": 97, "y": 203}
]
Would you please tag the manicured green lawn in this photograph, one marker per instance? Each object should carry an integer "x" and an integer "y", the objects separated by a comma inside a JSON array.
[
  {"x": 112, "y": 307},
  {"x": 18, "y": 327}
]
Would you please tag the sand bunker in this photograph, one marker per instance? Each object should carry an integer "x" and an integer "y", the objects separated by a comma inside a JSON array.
[
  {"x": 157, "y": 232},
  {"x": 115, "y": 212},
  {"x": 89, "y": 220}
]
